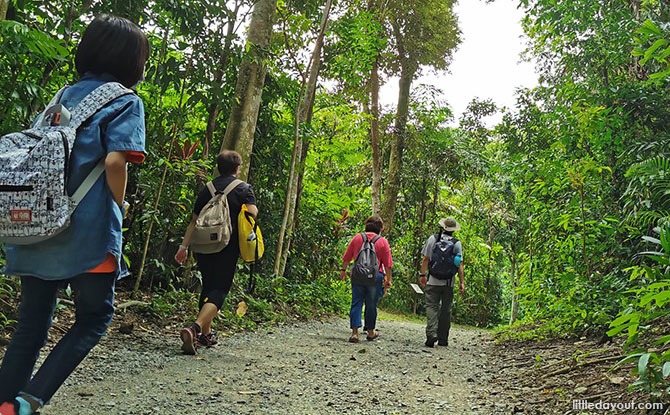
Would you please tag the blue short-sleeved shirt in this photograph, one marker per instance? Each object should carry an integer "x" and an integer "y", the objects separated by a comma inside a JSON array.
[{"x": 95, "y": 228}]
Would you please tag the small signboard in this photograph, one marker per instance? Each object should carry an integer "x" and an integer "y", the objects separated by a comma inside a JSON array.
[{"x": 416, "y": 288}]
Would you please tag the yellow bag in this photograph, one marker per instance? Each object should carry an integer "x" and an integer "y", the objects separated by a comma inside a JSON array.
[{"x": 251, "y": 238}]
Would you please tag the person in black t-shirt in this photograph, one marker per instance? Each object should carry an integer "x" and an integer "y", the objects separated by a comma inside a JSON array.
[{"x": 217, "y": 269}]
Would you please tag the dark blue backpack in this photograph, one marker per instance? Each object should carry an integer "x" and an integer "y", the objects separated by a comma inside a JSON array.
[{"x": 442, "y": 265}]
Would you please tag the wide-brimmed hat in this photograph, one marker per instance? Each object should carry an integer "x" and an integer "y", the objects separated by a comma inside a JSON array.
[{"x": 449, "y": 224}]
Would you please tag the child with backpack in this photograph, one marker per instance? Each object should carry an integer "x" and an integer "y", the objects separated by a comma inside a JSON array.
[
  {"x": 87, "y": 254},
  {"x": 370, "y": 273},
  {"x": 217, "y": 261},
  {"x": 442, "y": 259}
]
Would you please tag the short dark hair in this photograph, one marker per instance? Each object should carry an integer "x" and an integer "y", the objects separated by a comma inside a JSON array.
[
  {"x": 113, "y": 45},
  {"x": 374, "y": 224},
  {"x": 227, "y": 161}
]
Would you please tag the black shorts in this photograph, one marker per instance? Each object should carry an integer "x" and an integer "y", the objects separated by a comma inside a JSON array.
[{"x": 217, "y": 271}]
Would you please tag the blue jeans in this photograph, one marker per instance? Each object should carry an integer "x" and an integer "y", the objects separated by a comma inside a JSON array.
[
  {"x": 380, "y": 287},
  {"x": 94, "y": 301},
  {"x": 368, "y": 295}
]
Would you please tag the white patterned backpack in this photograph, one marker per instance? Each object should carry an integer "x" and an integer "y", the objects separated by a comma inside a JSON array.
[{"x": 34, "y": 203}]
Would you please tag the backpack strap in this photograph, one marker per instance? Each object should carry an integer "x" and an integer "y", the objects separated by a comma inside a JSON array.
[
  {"x": 231, "y": 186},
  {"x": 88, "y": 106},
  {"x": 88, "y": 182},
  {"x": 211, "y": 188},
  {"x": 228, "y": 189},
  {"x": 372, "y": 241},
  {"x": 251, "y": 285},
  {"x": 95, "y": 100}
]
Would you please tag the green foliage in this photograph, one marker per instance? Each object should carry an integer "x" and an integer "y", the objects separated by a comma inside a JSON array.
[
  {"x": 646, "y": 310},
  {"x": 484, "y": 260},
  {"x": 165, "y": 303},
  {"x": 567, "y": 153},
  {"x": 9, "y": 289},
  {"x": 653, "y": 49},
  {"x": 529, "y": 329},
  {"x": 355, "y": 43},
  {"x": 424, "y": 32},
  {"x": 648, "y": 199},
  {"x": 24, "y": 52},
  {"x": 643, "y": 319},
  {"x": 278, "y": 300}
]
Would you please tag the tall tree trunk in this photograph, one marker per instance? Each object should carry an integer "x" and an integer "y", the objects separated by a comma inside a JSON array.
[
  {"x": 514, "y": 309},
  {"x": 249, "y": 88},
  {"x": 213, "y": 108},
  {"x": 281, "y": 253},
  {"x": 4, "y": 6},
  {"x": 419, "y": 235},
  {"x": 397, "y": 147},
  {"x": 377, "y": 7},
  {"x": 374, "y": 139},
  {"x": 300, "y": 147},
  {"x": 489, "y": 272}
]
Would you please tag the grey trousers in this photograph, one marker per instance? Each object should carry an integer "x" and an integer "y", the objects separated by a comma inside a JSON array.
[{"x": 438, "y": 311}]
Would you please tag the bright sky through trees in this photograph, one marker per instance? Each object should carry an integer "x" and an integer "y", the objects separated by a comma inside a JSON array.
[{"x": 487, "y": 64}]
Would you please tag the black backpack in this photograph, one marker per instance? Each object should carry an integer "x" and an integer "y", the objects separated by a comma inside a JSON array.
[
  {"x": 441, "y": 265},
  {"x": 366, "y": 264}
]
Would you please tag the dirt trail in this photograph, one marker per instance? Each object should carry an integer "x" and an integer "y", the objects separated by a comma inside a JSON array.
[
  {"x": 311, "y": 368},
  {"x": 304, "y": 368}
]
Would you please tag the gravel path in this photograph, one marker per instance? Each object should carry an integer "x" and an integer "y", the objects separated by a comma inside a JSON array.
[{"x": 304, "y": 368}]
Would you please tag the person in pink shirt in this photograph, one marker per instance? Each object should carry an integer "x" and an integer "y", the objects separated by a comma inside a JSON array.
[{"x": 368, "y": 293}]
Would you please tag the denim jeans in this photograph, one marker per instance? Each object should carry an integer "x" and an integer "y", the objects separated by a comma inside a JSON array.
[
  {"x": 380, "y": 294},
  {"x": 380, "y": 287},
  {"x": 94, "y": 301},
  {"x": 438, "y": 311},
  {"x": 368, "y": 295}
]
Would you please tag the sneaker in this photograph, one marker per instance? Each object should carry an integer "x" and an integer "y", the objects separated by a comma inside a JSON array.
[
  {"x": 206, "y": 340},
  {"x": 8, "y": 408},
  {"x": 430, "y": 342},
  {"x": 188, "y": 336}
]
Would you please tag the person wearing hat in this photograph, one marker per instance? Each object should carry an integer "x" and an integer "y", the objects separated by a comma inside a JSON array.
[{"x": 439, "y": 286}]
